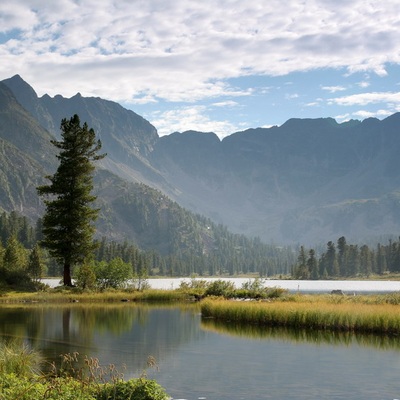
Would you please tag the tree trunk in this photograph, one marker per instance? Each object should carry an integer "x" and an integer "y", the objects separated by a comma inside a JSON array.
[{"x": 67, "y": 274}]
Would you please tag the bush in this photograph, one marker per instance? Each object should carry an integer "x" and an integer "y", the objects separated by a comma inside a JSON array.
[
  {"x": 18, "y": 380},
  {"x": 114, "y": 275},
  {"x": 220, "y": 288},
  {"x": 22, "y": 388},
  {"x": 134, "y": 389},
  {"x": 85, "y": 277},
  {"x": 255, "y": 289}
]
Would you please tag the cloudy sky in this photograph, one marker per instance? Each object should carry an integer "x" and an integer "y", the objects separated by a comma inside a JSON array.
[{"x": 211, "y": 65}]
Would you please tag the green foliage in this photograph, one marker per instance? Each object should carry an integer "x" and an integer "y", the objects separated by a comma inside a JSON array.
[
  {"x": 21, "y": 379},
  {"x": 348, "y": 260},
  {"x": 67, "y": 223},
  {"x": 114, "y": 274},
  {"x": 220, "y": 288},
  {"x": 14, "y": 258},
  {"x": 19, "y": 226},
  {"x": 85, "y": 276},
  {"x": 134, "y": 389},
  {"x": 16, "y": 387},
  {"x": 36, "y": 266},
  {"x": 257, "y": 289}
]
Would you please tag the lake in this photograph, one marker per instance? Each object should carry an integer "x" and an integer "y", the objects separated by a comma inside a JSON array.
[
  {"x": 202, "y": 359},
  {"x": 320, "y": 286}
]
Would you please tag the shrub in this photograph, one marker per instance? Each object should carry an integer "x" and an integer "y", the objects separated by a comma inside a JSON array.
[
  {"x": 134, "y": 389},
  {"x": 19, "y": 380},
  {"x": 85, "y": 277},
  {"x": 14, "y": 387},
  {"x": 220, "y": 288},
  {"x": 114, "y": 275}
]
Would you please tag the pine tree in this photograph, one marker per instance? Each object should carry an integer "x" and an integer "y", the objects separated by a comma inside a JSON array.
[
  {"x": 14, "y": 258},
  {"x": 36, "y": 265},
  {"x": 68, "y": 221},
  {"x": 312, "y": 265}
]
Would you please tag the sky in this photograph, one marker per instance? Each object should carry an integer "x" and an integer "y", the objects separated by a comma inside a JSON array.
[{"x": 211, "y": 65}]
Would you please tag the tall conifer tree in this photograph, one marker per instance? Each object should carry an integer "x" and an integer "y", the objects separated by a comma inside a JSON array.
[{"x": 68, "y": 221}]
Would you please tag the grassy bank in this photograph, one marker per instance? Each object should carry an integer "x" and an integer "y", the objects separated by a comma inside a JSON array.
[
  {"x": 21, "y": 378},
  {"x": 334, "y": 313},
  {"x": 110, "y": 296}
]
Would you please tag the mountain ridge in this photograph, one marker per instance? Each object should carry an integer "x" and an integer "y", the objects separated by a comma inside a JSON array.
[{"x": 304, "y": 181}]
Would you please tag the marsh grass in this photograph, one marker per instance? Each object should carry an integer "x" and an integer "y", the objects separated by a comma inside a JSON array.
[
  {"x": 334, "y": 338},
  {"x": 311, "y": 313},
  {"x": 76, "y": 379},
  {"x": 19, "y": 359},
  {"x": 110, "y": 296}
]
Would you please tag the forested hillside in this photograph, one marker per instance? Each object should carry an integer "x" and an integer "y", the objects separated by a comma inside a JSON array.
[
  {"x": 303, "y": 182},
  {"x": 224, "y": 254},
  {"x": 131, "y": 213}
]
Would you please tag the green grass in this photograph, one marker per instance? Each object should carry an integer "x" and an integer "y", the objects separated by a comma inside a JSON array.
[
  {"x": 19, "y": 359},
  {"x": 21, "y": 379},
  {"x": 311, "y": 312}
]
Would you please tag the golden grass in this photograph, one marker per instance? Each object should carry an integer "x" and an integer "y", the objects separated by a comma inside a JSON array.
[
  {"x": 312, "y": 313},
  {"x": 111, "y": 296}
]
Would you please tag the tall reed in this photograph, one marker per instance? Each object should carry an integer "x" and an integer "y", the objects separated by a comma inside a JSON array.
[
  {"x": 19, "y": 359},
  {"x": 375, "y": 318}
]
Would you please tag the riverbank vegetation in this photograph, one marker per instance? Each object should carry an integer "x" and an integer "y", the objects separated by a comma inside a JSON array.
[
  {"x": 23, "y": 262},
  {"x": 23, "y": 377},
  {"x": 363, "y": 314},
  {"x": 188, "y": 291}
]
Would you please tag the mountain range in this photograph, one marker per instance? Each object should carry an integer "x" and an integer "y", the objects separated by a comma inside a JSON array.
[{"x": 307, "y": 181}]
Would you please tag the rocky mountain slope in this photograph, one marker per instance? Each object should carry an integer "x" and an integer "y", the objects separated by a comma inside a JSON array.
[{"x": 307, "y": 181}]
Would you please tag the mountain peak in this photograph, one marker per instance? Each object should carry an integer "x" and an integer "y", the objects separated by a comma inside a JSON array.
[{"x": 19, "y": 87}]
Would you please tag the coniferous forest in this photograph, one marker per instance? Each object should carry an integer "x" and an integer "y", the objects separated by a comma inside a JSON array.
[{"x": 229, "y": 255}]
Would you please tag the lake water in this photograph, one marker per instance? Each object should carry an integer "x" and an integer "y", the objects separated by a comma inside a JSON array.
[
  {"x": 348, "y": 287},
  {"x": 200, "y": 359}
]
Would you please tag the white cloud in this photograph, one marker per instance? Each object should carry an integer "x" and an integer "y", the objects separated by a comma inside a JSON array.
[
  {"x": 364, "y": 84},
  {"x": 185, "y": 50},
  {"x": 190, "y": 118},
  {"x": 363, "y": 99},
  {"x": 291, "y": 96},
  {"x": 342, "y": 117},
  {"x": 227, "y": 103},
  {"x": 333, "y": 89},
  {"x": 371, "y": 114}
]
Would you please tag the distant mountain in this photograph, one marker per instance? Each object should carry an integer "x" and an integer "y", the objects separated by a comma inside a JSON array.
[
  {"x": 129, "y": 211},
  {"x": 127, "y": 137},
  {"x": 307, "y": 181}
]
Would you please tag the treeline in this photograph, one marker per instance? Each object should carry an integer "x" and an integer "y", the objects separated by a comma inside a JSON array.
[
  {"x": 347, "y": 260},
  {"x": 225, "y": 254},
  {"x": 231, "y": 255},
  {"x": 189, "y": 243},
  {"x": 214, "y": 251}
]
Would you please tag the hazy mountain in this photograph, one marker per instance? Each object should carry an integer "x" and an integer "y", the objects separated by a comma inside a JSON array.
[
  {"x": 129, "y": 211},
  {"x": 127, "y": 137},
  {"x": 307, "y": 181}
]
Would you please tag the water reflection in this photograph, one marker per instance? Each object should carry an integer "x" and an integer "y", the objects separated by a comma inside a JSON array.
[
  {"x": 381, "y": 342},
  {"x": 205, "y": 358},
  {"x": 123, "y": 335}
]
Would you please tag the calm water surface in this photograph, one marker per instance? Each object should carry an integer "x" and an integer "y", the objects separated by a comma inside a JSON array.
[
  {"x": 320, "y": 286},
  {"x": 201, "y": 359}
]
